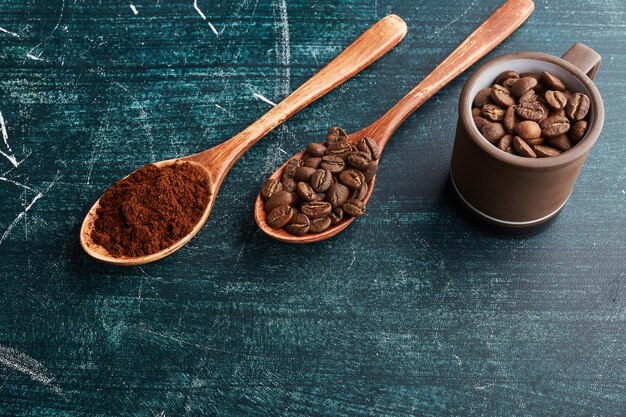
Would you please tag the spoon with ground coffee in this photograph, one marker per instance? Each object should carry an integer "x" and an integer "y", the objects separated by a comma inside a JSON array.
[
  {"x": 157, "y": 209},
  {"x": 487, "y": 36}
]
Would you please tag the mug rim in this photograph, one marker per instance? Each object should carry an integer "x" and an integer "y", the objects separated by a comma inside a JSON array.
[{"x": 578, "y": 151}]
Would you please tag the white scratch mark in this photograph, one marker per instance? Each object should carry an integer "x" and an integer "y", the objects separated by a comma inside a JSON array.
[
  {"x": 134, "y": 9},
  {"x": 283, "y": 151},
  {"x": 623, "y": 192},
  {"x": 29, "y": 53},
  {"x": 5, "y": 138},
  {"x": 263, "y": 98},
  {"x": 458, "y": 360},
  {"x": 283, "y": 47},
  {"x": 482, "y": 387},
  {"x": 19, "y": 217},
  {"x": 353, "y": 259},
  {"x": 33, "y": 57},
  {"x": 23, "y": 363},
  {"x": 195, "y": 6},
  {"x": 456, "y": 19},
  {"x": 19, "y": 184},
  {"x": 8, "y": 32},
  {"x": 213, "y": 29},
  {"x": 5, "y": 134}
]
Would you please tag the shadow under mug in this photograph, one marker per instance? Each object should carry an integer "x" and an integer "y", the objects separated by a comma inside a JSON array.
[{"x": 511, "y": 191}]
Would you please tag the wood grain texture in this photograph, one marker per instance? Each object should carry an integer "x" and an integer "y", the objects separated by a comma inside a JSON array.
[{"x": 411, "y": 311}]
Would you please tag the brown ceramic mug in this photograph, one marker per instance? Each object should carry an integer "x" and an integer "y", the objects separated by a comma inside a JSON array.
[{"x": 509, "y": 190}]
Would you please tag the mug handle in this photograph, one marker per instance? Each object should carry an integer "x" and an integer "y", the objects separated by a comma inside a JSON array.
[{"x": 583, "y": 57}]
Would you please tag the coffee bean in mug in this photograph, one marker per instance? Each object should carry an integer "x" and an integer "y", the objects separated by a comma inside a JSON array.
[
  {"x": 531, "y": 115},
  {"x": 327, "y": 185}
]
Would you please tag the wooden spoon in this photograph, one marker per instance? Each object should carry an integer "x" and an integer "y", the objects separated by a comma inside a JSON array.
[
  {"x": 217, "y": 161},
  {"x": 494, "y": 30}
]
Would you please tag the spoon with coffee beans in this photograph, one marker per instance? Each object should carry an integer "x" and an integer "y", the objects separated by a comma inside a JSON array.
[
  {"x": 138, "y": 219},
  {"x": 321, "y": 190}
]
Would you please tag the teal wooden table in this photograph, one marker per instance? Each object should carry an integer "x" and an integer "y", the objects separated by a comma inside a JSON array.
[{"x": 413, "y": 310}]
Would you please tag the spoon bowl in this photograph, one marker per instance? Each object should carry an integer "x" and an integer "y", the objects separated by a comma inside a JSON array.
[
  {"x": 98, "y": 252},
  {"x": 260, "y": 216},
  {"x": 487, "y": 36},
  {"x": 217, "y": 161}
]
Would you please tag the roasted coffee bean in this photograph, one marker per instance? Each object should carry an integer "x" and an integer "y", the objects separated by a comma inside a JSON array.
[
  {"x": 289, "y": 184},
  {"x": 508, "y": 83},
  {"x": 506, "y": 75},
  {"x": 493, "y": 131},
  {"x": 529, "y": 97},
  {"x": 501, "y": 96},
  {"x": 476, "y": 112},
  {"x": 270, "y": 187},
  {"x": 280, "y": 216},
  {"x": 506, "y": 143},
  {"x": 554, "y": 126},
  {"x": 483, "y": 97},
  {"x": 337, "y": 194},
  {"x": 555, "y": 99},
  {"x": 313, "y": 162},
  {"x": 291, "y": 167},
  {"x": 578, "y": 130},
  {"x": 299, "y": 225},
  {"x": 370, "y": 171},
  {"x": 354, "y": 208},
  {"x": 510, "y": 119},
  {"x": 303, "y": 174},
  {"x": 361, "y": 192},
  {"x": 369, "y": 146},
  {"x": 522, "y": 148},
  {"x": 561, "y": 142},
  {"x": 528, "y": 129},
  {"x": 536, "y": 76},
  {"x": 315, "y": 209},
  {"x": 352, "y": 178},
  {"x": 336, "y": 134},
  {"x": 359, "y": 160},
  {"x": 333, "y": 163},
  {"x": 280, "y": 198},
  {"x": 480, "y": 122},
  {"x": 545, "y": 151},
  {"x": 531, "y": 111},
  {"x": 336, "y": 215},
  {"x": 534, "y": 141},
  {"x": 578, "y": 106},
  {"x": 340, "y": 149},
  {"x": 493, "y": 113},
  {"x": 306, "y": 192},
  {"x": 321, "y": 180},
  {"x": 552, "y": 81},
  {"x": 523, "y": 85},
  {"x": 316, "y": 149},
  {"x": 320, "y": 224}
]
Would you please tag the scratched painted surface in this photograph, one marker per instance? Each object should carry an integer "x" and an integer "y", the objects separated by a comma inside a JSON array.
[{"x": 412, "y": 311}]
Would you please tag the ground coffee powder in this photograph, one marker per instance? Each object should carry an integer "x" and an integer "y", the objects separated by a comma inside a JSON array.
[{"x": 151, "y": 209}]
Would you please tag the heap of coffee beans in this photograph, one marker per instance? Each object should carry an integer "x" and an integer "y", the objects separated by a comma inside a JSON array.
[
  {"x": 325, "y": 186},
  {"x": 531, "y": 115}
]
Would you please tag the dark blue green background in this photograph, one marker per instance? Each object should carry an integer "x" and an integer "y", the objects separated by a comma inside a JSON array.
[{"x": 411, "y": 311}]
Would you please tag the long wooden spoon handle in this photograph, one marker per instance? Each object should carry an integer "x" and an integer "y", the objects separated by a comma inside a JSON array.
[
  {"x": 487, "y": 36},
  {"x": 370, "y": 46}
]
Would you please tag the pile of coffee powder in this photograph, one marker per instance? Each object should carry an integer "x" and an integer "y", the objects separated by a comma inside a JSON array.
[{"x": 151, "y": 209}]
